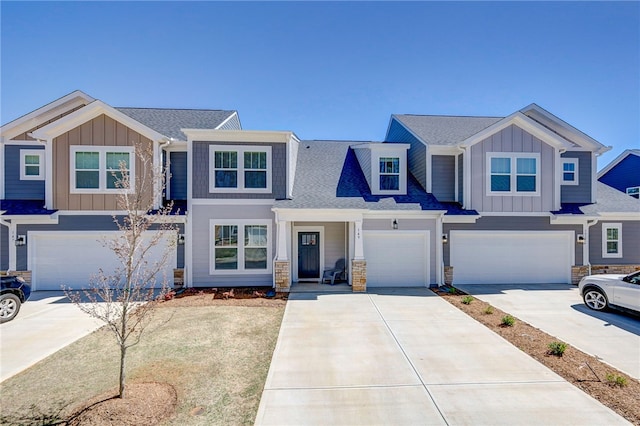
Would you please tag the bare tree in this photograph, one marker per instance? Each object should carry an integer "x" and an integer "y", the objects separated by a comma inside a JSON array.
[{"x": 125, "y": 299}]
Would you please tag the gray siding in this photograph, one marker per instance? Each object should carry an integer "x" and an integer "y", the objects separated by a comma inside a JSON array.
[
  {"x": 364, "y": 159},
  {"x": 511, "y": 223},
  {"x": 78, "y": 223},
  {"x": 4, "y": 248},
  {"x": 410, "y": 225},
  {"x": 443, "y": 178},
  {"x": 335, "y": 241},
  {"x": 512, "y": 139},
  {"x": 178, "y": 180},
  {"x": 630, "y": 246},
  {"x": 417, "y": 156},
  {"x": 14, "y": 188},
  {"x": 201, "y": 173},
  {"x": 201, "y": 244},
  {"x": 580, "y": 193},
  {"x": 461, "y": 178},
  {"x": 232, "y": 124}
]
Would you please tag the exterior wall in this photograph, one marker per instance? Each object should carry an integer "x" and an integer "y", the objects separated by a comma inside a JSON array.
[
  {"x": 201, "y": 174},
  {"x": 232, "y": 124},
  {"x": 512, "y": 139},
  {"x": 417, "y": 156},
  {"x": 511, "y": 223},
  {"x": 364, "y": 159},
  {"x": 335, "y": 241},
  {"x": 630, "y": 245},
  {"x": 201, "y": 246},
  {"x": 178, "y": 180},
  {"x": 410, "y": 225},
  {"x": 101, "y": 131},
  {"x": 25, "y": 136},
  {"x": 77, "y": 223},
  {"x": 461, "y": 178},
  {"x": 624, "y": 175},
  {"x": 443, "y": 177},
  {"x": 580, "y": 193},
  {"x": 4, "y": 248},
  {"x": 14, "y": 188}
]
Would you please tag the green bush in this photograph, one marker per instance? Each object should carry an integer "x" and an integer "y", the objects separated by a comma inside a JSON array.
[
  {"x": 557, "y": 348},
  {"x": 488, "y": 310},
  {"x": 467, "y": 300},
  {"x": 451, "y": 290},
  {"x": 616, "y": 380},
  {"x": 508, "y": 320}
]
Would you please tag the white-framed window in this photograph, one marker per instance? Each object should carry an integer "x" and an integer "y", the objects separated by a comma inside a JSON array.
[
  {"x": 98, "y": 169},
  {"x": 569, "y": 171},
  {"x": 240, "y": 246},
  {"x": 239, "y": 168},
  {"x": 612, "y": 240},
  {"x": 31, "y": 164},
  {"x": 634, "y": 191},
  {"x": 513, "y": 173},
  {"x": 389, "y": 173}
]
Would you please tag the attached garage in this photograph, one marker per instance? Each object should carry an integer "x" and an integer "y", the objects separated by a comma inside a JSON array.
[
  {"x": 71, "y": 258},
  {"x": 511, "y": 257},
  {"x": 397, "y": 258}
]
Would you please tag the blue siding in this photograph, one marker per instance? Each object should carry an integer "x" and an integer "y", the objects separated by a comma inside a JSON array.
[
  {"x": 623, "y": 175},
  {"x": 4, "y": 248},
  {"x": 417, "y": 155},
  {"x": 580, "y": 193},
  {"x": 14, "y": 188},
  {"x": 178, "y": 181}
]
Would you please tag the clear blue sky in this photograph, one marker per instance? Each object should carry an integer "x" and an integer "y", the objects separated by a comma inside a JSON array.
[{"x": 333, "y": 70}]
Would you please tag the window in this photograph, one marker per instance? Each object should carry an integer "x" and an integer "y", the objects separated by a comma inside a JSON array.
[
  {"x": 634, "y": 191},
  {"x": 569, "y": 171},
  {"x": 100, "y": 169},
  {"x": 240, "y": 246},
  {"x": 513, "y": 174},
  {"x": 31, "y": 164},
  {"x": 611, "y": 240},
  {"x": 389, "y": 173},
  {"x": 238, "y": 168}
]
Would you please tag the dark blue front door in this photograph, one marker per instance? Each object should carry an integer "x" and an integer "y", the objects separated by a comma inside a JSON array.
[{"x": 308, "y": 255}]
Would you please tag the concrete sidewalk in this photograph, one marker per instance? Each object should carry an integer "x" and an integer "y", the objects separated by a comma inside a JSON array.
[{"x": 405, "y": 356}]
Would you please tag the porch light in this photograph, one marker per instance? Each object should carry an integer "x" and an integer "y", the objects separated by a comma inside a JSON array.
[
  {"x": 394, "y": 225},
  {"x": 445, "y": 239},
  {"x": 21, "y": 240},
  {"x": 580, "y": 239},
  {"x": 180, "y": 239}
]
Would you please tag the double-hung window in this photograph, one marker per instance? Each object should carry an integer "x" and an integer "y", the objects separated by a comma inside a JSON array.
[
  {"x": 569, "y": 171},
  {"x": 611, "y": 240},
  {"x": 31, "y": 164},
  {"x": 513, "y": 173},
  {"x": 389, "y": 173},
  {"x": 101, "y": 169},
  {"x": 240, "y": 246},
  {"x": 239, "y": 168}
]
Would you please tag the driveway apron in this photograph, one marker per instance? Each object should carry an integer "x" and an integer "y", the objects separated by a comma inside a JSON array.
[{"x": 407, "y": 357}]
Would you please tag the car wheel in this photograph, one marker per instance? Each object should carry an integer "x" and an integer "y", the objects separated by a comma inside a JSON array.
[
  {"x": 9, "y": 307},
  {"x": 595, "y": 299}
]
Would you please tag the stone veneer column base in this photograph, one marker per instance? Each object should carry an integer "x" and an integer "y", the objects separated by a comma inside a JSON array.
[
  {"x": 26, "y": 275},
  {"x": 580, "y": 271},
  {"x": 282, "y": 276},
  {"x": 178, "y": 278},
  {"x": 448, "y": 275},
  {"x": 358, "y": 275}
]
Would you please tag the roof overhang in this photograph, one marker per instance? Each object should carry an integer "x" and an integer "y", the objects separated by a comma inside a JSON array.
[{"x": 256, "y": 136}]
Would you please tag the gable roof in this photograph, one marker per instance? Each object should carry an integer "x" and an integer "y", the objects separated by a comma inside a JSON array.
[
  {"x": 617, "y": 160},
  {"x": 168, "y": 122},
  {"x": 442, "y": 129},
  {"x": 611, "y": 201}
]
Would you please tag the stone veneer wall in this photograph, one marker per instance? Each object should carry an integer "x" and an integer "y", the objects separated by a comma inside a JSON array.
[
  {"x": 580, "y": 271},
  {"x": 24, "y": 274},
  {"x": 178, "y": 278},
  {"x": 448, "y": 275},
  {"x": 359, "y": 275},
  {"x": 282, "y": 276}
]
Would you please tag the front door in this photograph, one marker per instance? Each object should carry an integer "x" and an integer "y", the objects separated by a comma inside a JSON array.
[{"x": 308, "y": 255}]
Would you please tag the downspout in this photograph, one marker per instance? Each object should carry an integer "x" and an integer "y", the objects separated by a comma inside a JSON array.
[
  {"x": 585, "y": 253},
  {"x": 12, "y": 247}
]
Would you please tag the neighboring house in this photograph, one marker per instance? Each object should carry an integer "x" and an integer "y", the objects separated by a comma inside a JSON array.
[
  {"x": 57, "y": 194},
  {"x": 443, "y": 199},
  {"x": 623, "y": 173}
]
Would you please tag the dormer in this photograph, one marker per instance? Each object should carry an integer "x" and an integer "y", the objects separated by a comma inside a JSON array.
[{"x": 384, "y": 166}]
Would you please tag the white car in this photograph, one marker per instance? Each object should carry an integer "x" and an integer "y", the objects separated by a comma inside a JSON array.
[{"x": 600, "y": 292}]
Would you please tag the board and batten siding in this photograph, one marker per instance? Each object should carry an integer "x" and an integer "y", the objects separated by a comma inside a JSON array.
[
  {"x": 100, "y": 131},
  {"x": 409, "y": 225},
  {"x": 461, "y": 178},
  {"x": 14, "y": 187},
  {"x": 580, "y": 193},
  {"x": 511, "y": 223},
  {"x": 364, "y": 160},
  {"x": 201, "y": 172},
  {"x": 630, "y": 244},
  {"x": 417, "y": 155},
  {"x": 443, "y": 177},
  {"x": 25, "y": 136},
  {"x": 201, "y": 246},
  {"x": 512, "y": 139},
  {"x": 178, "y": 179}
]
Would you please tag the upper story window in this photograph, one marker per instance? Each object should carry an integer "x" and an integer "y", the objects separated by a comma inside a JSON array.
[
  {"x": 31, "y": 164},
  {"x": 389, "y": 173},
  {"x": 611, "y": 240},
  {"x": 240, "y": 246},
  {"x": 101, "y": 169},
  {"x": 238, "y": 168},
  {"x": 513, "y": 173},
  {"x": 634, "y": 191},
  {"x": 569, "y": 171}
]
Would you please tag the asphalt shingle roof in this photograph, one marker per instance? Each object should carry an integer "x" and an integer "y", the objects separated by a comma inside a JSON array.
[
  {"x": 610, "y": 200},
  {"x": 168, "y": 122},
  {"x": 445, "y": 130}
]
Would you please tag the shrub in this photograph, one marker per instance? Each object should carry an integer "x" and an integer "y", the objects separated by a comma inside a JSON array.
[
  {"x": 467, "y": 300},
  {"x": 616, "y": 380},
  {"x": 488, "y": 310},
  {"x": 557, "y": 348},
  {"x": 451, "y": 290},
  {"x": 508, "y": 320}
]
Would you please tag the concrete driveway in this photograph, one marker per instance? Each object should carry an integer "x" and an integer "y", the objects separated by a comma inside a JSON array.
[
  {"x": 558, "y": 310},
  {"x": 407, "y": 357},
  {"x": 47, "y": 322}
]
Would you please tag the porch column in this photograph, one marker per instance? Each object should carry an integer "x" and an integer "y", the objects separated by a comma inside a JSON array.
[
  {"x": 282, "y": 265},
  {"x": 358, "y": 263},
  {"x": 358, "y": 252}
]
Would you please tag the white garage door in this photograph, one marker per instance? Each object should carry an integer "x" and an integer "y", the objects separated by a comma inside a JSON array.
[
  {"x": 71, "y": 258},
  {"x": 397, "y": 258},
  {"x": 524, "y": 257}
]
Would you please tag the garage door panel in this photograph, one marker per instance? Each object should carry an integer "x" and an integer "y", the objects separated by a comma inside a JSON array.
[
  {"x": 396, "y": 258},
  {"x": 487, "y": 257},
  {"x": 72, "y": 258}
]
